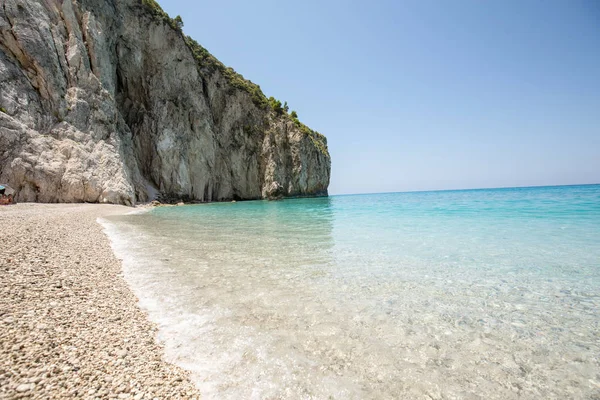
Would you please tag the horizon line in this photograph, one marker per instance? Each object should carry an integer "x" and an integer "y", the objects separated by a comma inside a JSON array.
[{"x": 465, "y": 189}]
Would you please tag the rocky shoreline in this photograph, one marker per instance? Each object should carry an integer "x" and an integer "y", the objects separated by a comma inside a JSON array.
[{"x": 70, "y": 326}]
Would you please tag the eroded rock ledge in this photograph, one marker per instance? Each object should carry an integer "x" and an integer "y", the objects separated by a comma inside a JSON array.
[{"x": 108, "y": 101}]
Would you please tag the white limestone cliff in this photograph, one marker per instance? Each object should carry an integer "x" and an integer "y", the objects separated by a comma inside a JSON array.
[{"x": 107, "y": 101}]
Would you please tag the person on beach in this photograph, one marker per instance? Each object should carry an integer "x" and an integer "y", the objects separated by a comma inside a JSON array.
[{"x": 6, "y": 198}]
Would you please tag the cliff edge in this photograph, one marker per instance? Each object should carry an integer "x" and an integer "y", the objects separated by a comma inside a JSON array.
[{"x": 108, "y": 101}]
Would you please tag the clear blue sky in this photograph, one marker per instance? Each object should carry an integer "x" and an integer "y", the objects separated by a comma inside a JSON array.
[{"x": 418, "y": 95}]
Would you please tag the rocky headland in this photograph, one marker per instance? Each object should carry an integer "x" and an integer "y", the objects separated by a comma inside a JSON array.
[{"x": 109, "y": 101}]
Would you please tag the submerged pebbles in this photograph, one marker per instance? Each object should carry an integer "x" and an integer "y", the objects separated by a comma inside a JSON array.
[{"x": 69, "y": 324}]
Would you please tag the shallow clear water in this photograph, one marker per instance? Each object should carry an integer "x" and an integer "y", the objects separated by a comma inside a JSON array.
[{"x": 456, "y": 294}]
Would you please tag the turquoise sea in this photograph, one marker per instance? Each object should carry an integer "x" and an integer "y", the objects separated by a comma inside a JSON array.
[{"x": 467, "y": 294}]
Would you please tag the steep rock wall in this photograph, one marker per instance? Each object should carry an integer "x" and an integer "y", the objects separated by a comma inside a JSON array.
[{"x": 104, "y": 101}]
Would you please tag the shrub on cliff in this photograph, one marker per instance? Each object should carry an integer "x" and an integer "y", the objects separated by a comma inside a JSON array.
[
  {"x": 156, "y": 10},
  {"x": 318, "y": 139},
  {"x": 178, "y": 22},
  {"x": 275, "y": 105},
  {"x": 207, "y": 60}
]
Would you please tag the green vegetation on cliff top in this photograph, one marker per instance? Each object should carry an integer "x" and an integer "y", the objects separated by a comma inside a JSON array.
[{"x": 236, "y": 80}]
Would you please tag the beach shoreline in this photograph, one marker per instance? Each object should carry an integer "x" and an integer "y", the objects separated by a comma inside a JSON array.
[{"x": 70, "y": 326}]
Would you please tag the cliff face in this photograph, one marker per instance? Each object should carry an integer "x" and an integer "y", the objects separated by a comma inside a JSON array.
[{"x": 107, "y": 101}]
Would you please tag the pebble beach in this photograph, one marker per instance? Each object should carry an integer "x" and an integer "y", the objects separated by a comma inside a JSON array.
[{"x": 70, "y": 327}]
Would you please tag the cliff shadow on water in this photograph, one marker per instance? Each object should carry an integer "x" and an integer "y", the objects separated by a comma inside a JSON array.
[{"x": 109, "y": 101}]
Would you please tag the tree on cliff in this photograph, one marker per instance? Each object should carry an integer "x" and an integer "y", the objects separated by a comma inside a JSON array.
[
  {"x": 275, "y": 105},
  {"x": 178, "y": 22}
]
